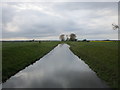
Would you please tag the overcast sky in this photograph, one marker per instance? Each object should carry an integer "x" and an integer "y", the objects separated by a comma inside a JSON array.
[{"x": 47, "y": 20}]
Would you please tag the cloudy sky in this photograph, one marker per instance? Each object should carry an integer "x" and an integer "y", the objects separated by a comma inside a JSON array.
[{"x": 47, "y": 20}]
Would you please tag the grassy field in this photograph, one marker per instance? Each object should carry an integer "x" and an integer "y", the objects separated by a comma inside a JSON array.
[
  {"x": 18, "y": 55},
  {"x": 102, "y": 57}
]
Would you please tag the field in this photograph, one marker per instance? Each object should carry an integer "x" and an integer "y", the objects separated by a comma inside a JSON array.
[
  {"x": 102, "y": 57},
  {"x": 18, "y": 55}
]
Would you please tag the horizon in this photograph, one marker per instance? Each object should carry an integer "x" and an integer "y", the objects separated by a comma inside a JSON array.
[{"x": 65, "y": 40}]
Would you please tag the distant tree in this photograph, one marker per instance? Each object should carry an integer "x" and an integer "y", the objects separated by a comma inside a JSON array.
[
  {"x": 84, "y": 40},
  {"x": 73, "y": 37},
  {"x": 33, "y": 40},
  {"x": 67, "y": 38},
  {"x": 115, "y": 26},
  {"x": 62, "y": 37},
  {"x": 39, "y": 41},
  {"x": 107, "y": 40}
]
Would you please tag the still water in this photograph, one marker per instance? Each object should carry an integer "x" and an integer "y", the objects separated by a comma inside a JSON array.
[{"x": 60, "y": 68}]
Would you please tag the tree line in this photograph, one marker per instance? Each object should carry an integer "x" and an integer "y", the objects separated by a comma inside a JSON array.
[{"x": 71, "y": 37}]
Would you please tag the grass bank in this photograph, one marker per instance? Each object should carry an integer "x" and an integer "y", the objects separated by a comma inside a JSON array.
[
  {"x": 102, "y": 57},
  {"x": 18, "y": 55}
]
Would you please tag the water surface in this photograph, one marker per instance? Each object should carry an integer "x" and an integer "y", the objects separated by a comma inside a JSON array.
[{"x": 60, "y": 68}]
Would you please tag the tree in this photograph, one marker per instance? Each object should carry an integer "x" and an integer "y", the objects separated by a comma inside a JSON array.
[
  {"x": 67, "y": 38},
  {"x": 84, "y": 40},
  {"x": 62, "y": 38},
  {"x": 73, "y": 37},
  {"x": 115, "y": 26}
]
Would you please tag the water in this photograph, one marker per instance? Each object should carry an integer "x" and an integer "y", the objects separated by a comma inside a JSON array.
[{"x": 58, "y": 69}]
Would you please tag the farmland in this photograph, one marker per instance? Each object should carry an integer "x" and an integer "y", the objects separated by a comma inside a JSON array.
[
  {"x": 102, "y": 57},
  {"x": 18, "y": 55}
]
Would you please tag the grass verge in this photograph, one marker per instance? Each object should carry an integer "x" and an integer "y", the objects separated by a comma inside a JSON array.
[
  {"x": 102, "y": 57},
  {"x": 17, "y": 55}
]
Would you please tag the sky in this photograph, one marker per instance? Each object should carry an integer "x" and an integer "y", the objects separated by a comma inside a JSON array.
[{"x": 48, "y": 20}]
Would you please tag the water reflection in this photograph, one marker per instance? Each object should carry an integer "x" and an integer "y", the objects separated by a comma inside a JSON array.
[{"x": 58, "y": 69}]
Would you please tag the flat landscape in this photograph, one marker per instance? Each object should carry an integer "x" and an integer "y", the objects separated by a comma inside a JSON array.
[
  {"x": 102, "y": 57},
  {"x": 18, "y": 55},
  {"x": 54, "y": 44}
]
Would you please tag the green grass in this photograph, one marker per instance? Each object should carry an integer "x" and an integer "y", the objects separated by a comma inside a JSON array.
[
  {"x": 102, "y": 57},
  {"x": 17, "y": 55}
]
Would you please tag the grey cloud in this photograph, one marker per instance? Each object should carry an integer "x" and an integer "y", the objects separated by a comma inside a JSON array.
[
  {"x": 8, "y": 13},
  {"x": 56, "y": 18},
  {"x": 86, "y": 5}
]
